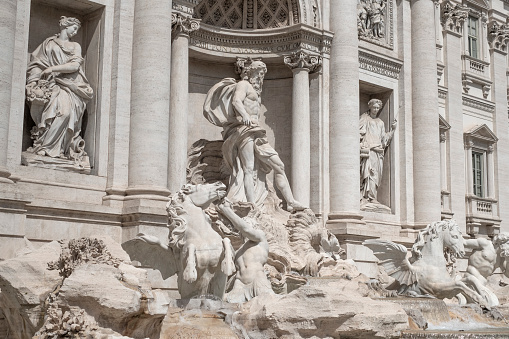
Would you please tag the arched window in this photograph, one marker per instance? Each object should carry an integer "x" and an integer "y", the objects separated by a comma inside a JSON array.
[{"x": 248, "y": 14}]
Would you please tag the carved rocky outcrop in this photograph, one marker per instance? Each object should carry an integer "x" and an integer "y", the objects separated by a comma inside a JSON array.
[{"x": 83, "y": 287}]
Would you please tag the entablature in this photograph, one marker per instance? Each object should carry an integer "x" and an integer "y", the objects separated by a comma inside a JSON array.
[{"x": 271, "y": 43}]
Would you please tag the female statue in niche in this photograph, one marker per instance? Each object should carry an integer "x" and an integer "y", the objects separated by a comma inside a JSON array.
[
  {"x": 374, "y": 141},
  {"x": 57, "y": 92}
]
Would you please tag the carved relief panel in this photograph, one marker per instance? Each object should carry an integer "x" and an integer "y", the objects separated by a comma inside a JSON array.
[{"x": 375, "y": 22}]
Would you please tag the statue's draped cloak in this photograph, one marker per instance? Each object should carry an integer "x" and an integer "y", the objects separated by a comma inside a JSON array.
[
  {"x": 61, "y": 117},
  {"x": 372, "y": 132},
  {"x": 218, "y": 110}
]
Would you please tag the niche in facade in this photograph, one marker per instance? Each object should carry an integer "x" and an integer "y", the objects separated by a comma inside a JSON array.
[
  {"x": 61, "y": 111},
  {"x": 376, "y": 134}
]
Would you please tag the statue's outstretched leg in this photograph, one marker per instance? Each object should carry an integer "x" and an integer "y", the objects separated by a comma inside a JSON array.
[{"x": 282, "y": 183}]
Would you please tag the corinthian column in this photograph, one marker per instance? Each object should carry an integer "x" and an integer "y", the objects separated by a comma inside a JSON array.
[
  {"x": 150, "y": 100},
  {"x": 7, "y": 37},
  {"x": 177, "y": 162},
  {"x": 344, "y": 147},
  {"x": 425, "y": 114},
  {"x": 301, "y": 64}
]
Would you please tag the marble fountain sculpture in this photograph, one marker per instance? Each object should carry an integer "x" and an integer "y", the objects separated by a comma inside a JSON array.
[
  {"x": 57, "y": 92},
  {"x": 245, "y": 267}
]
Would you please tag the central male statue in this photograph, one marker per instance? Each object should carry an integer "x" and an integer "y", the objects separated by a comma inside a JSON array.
[{"x": 235, "y": 106}]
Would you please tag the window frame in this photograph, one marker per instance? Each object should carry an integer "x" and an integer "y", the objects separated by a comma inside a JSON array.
[{"x": 473, "y": 37}]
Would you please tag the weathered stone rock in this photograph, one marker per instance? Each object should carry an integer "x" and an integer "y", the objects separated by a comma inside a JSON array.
[
  {"x": 25, "y": 283},
  {"x": 334, "y": 308}
]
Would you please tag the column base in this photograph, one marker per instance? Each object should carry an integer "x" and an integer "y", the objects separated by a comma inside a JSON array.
[
  {"x": 143, "y": 215},
  {"x": 147, "y": 192}
]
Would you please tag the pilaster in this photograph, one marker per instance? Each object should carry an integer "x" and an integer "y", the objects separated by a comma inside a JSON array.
[
  {"x": 453, "y": 17},
  {"x": 8, "y": 11},
  {"x": 498, "y": 38}
]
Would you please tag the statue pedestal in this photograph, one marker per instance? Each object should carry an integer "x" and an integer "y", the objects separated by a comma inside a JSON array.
[{"x": 31, "y": 159}]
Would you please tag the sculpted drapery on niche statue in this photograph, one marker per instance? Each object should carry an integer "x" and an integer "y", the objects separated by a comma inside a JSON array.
[
  {"x": 374, "y": 141},
  {"x": 57, "y": 92},
  {"x": 236, "y": 106}
]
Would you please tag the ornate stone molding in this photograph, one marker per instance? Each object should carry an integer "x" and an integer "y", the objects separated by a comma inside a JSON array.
[
  {"x": 186, "y": 8},
  {"x": 303, "y": 60},
  {"x": 183, "y": 24},
  {"x": 381, "y": 11},
  {"x": 453, "y": 16},
  {"x": 379, "y": 65},
  {"x": 498, "y": 36},
  {"x": 442, "y": 93},
  {"x": 478, "y": 104},
  {"x": 270, "y": 43}
]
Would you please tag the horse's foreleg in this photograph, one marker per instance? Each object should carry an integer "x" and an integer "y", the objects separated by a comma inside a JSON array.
[
  {"x": 190, "y": 274},
  {"x": 470, "y": 293},
  {"x": 228, "y": 266}
]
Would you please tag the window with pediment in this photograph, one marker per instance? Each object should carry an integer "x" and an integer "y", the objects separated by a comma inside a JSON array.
[{"x": 248, "y": 14}]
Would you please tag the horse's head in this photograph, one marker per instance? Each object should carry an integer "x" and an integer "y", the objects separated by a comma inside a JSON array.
[
  {"x": 501, "y": 243},
  {"x": 452, "y": 238},
  {"x": 203, "y": 195},
  {"x": 446, "y": 230}
]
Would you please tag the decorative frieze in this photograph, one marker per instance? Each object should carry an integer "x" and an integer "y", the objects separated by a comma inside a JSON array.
[
  {"x": 453, "y": 16},
  {"x": 375, "y": 22},
  {"x": 276, "y": 41},
  {"x": 303, "y": 60},
  {"x": 379, "y": 65}
]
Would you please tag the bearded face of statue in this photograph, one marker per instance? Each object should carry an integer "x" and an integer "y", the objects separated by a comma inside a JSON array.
[{"x": 256, "y": 79}]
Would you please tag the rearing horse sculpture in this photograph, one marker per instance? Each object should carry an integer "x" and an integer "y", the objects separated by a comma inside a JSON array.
[
  {"x": 425, "y": 272},
  {"x": 201, "y": 258}
]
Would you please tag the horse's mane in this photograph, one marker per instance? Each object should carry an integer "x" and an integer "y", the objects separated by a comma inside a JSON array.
[
  {"x": 176, "y": 223},
  {"x": 500, "y": 239},
  {"x": 429, "y": 233}
]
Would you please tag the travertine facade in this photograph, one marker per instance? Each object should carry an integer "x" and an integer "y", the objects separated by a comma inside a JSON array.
[{"x": 438, "y": 67}]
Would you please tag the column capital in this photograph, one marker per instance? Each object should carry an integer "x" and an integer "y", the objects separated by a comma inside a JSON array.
[
  {"x": 498, "y": 36},
  {"x": 303, "y": 60},
  {"x": 183, "y": 24},
  {"x": 453, "y": 17}
]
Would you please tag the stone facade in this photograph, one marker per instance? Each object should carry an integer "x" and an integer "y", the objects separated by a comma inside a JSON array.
[{"x": 150, "y": 68}]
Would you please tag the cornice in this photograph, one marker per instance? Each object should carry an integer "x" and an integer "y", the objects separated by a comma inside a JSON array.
[
  {"x": 479, "y": 104},
  {"x": 380, "y": 64}
]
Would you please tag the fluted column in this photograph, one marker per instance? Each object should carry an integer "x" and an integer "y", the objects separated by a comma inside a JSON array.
[
  {"x": 344, "y": 144},
  {"x": 179, "y": 108},
  {"x": 453, "y": 17},
  {"x": 425, "y": 114},
  {"x": 8, "y": 10},
  {"x": 150, "y": 100},
  {"x": 301, "y": 64}
]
